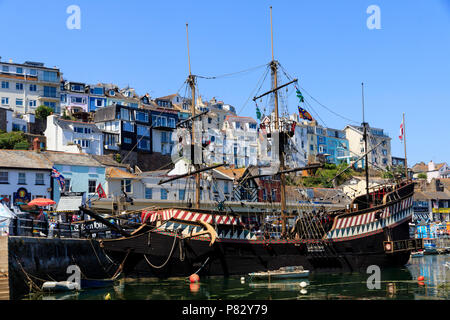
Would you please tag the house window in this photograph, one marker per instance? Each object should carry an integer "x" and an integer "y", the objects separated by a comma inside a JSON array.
[
  {"x": 50, "y": 76},
  {"x": 142, "y": 116},
  {"x": 33, "y": 72},
  {"x": 144, "y": 144},
  {"x": 163, "y": 194},
  {"x": 33, "y": 87},
  {"x": 78, "y": 100},
  {"x": 19, "y": 86},
  {"x": 127, "y": 140},
  {"x": 49, "y": 92},
  {"x": 181, "y": 194},
  {"x": 5, "y": 85},
  {"x": 4, "y": 177},
  {"x": 87, "y": 130},
  {"x": 5, "y": 68},
  {"x": 126, "y": 185},
  {"x": 32, "y": 103},
  {"x": 66, "y": 185},
  {"x": 19, "y": 70},
  {"x": 171, "y": 122},
  {"x": 19, "y": 102},
  {"x": 148, "y": 193},
  {"x": 92, "y": 185},
  {"x": 39, "y": 179},
  {"x": 143, "y": 131},
  {"x": 5, "y": 101},
  {"x": 22, "y": 178},
  {"x": 127, "y": 126},
  {"x": 99, "y": 102},
  {"x": 124, "y": 114}
]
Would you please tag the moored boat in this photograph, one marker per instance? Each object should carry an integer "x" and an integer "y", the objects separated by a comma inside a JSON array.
[{"x": 282, "y": 273}]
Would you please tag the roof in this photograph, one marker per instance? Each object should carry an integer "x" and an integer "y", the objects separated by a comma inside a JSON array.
[
  {"x": 72, "y": 159},
  {"x": 169, "y": 97},
  {"x": 108, "y": 161},
  {"x": 426, "y": 195},
  {"x": 233, "y": 173},
  {"x": 116, "y": 173},
  {"x": 65, "y": 124},
  {"x": 21, "y": 158},
  {"x": 420, "y": 167}
]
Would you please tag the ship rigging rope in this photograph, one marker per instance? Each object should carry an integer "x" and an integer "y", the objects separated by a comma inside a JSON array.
[
  {"x": 168, "y": 258},
  {"x": 232, "y": 73},
  {"x": 321, "y": 104}
]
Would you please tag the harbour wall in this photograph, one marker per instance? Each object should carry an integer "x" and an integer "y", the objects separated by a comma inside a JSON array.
[{"x": 31, "y": 261}]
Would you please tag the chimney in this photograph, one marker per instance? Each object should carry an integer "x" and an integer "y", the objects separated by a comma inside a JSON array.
[{"x": 36, "y": 145}]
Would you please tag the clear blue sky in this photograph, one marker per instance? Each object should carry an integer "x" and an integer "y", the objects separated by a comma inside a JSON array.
[{"x": 326, "y": 44}]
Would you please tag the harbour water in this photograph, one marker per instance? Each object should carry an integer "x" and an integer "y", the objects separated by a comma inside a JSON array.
[{"x": 395, "y": 284}]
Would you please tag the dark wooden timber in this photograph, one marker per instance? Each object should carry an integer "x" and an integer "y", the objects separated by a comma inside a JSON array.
[
  {"x": 110, "y": 225},
  {"x": 276, "y": 89},
  {"x": 191, "y": 173},
  {"x": 191, "y": 118}
]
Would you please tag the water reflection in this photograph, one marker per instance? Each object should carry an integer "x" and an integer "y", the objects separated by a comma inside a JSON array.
[{"x": 398, "y": 284}]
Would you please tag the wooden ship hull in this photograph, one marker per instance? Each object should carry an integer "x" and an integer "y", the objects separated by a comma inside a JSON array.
[{"x": 373, "y": 236}]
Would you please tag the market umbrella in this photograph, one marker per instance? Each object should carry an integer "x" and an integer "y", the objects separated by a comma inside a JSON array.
[{"x": 41, "y": 202}]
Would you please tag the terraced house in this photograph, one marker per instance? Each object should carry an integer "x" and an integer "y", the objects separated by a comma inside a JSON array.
[{"x": 24, "y": 87}]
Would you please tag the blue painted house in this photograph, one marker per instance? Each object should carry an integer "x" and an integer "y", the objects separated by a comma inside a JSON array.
[
  {"x": 82, "y": 173},
  {"x": 97, "y": 98}
]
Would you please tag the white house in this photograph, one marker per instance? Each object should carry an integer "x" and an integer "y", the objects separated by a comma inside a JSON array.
[
  {"x": 24, "y": 176},
  {"x": 240, "y": 141},
  {"x": 73, "y": 136},
  {"x": 380, "y": 157},
  {"x": 24, "y": 87},
  {"x": 437, "y": 170}
]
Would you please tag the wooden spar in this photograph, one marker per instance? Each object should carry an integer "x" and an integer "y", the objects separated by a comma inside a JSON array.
[
  {"x": 100, "y": 219},
  {"x": 191, "y": 118},
  {"x": 273, "y": 66},
  {"x": 191, "y": 81},
  {"x": 196, "y": 172},
  {"x": 313, "y": 166},
  {"x": 404, "y": 142},
  {"x": 366, "y": 164},
  {"x": 276, "y": 89}
]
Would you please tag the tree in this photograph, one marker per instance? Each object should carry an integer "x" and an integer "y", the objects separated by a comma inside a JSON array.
[
  {"x": 42, "y": 112},
  {"x": 13, "y": 140},
  {"x": 422, "y": 175},
  {"x": 327, "y": 177}
]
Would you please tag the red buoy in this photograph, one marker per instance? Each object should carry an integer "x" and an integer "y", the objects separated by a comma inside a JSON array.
[
  {"x": 421, "y": 278},
  {"x": 194, "y": 278}
]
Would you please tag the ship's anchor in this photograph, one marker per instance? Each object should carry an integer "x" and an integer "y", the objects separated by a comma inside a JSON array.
[{"x": 209, "y": 230}]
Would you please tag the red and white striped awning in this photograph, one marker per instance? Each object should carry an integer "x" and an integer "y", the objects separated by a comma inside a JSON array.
[{"x": 186, "y": 215}]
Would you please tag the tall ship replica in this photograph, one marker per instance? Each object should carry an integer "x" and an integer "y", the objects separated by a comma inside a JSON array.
[{"x": 180, "y": 241}]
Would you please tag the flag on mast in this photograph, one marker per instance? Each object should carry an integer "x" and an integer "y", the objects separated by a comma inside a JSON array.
[
  {"x": 101, "y": 193},
  {"x": 401, "y": 131}
]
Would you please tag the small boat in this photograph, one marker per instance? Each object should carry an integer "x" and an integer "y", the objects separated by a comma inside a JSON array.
[
  {"x": 282, "y": 273},
  {"x": 416, "y": 254},
  {"x": 57, "y": 286}
]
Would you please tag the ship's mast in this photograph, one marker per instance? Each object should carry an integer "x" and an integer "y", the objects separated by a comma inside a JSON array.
[
  {"x": 273, "y": 66},
  {"x": 191, "y": 82},
  {"x": 404, "y": 142},
  {"x": 366, "y": 164}
]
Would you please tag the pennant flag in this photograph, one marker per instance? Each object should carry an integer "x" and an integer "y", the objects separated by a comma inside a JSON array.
[
  {"x": 258, "y": 113},
  {"x": 300, "y": 96},
  {"x": 304, "y": 114},
  {"x": 101, "y": 193},
  {"x": 401, "y": 131},
  {"x": 58, "y": 176}
]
